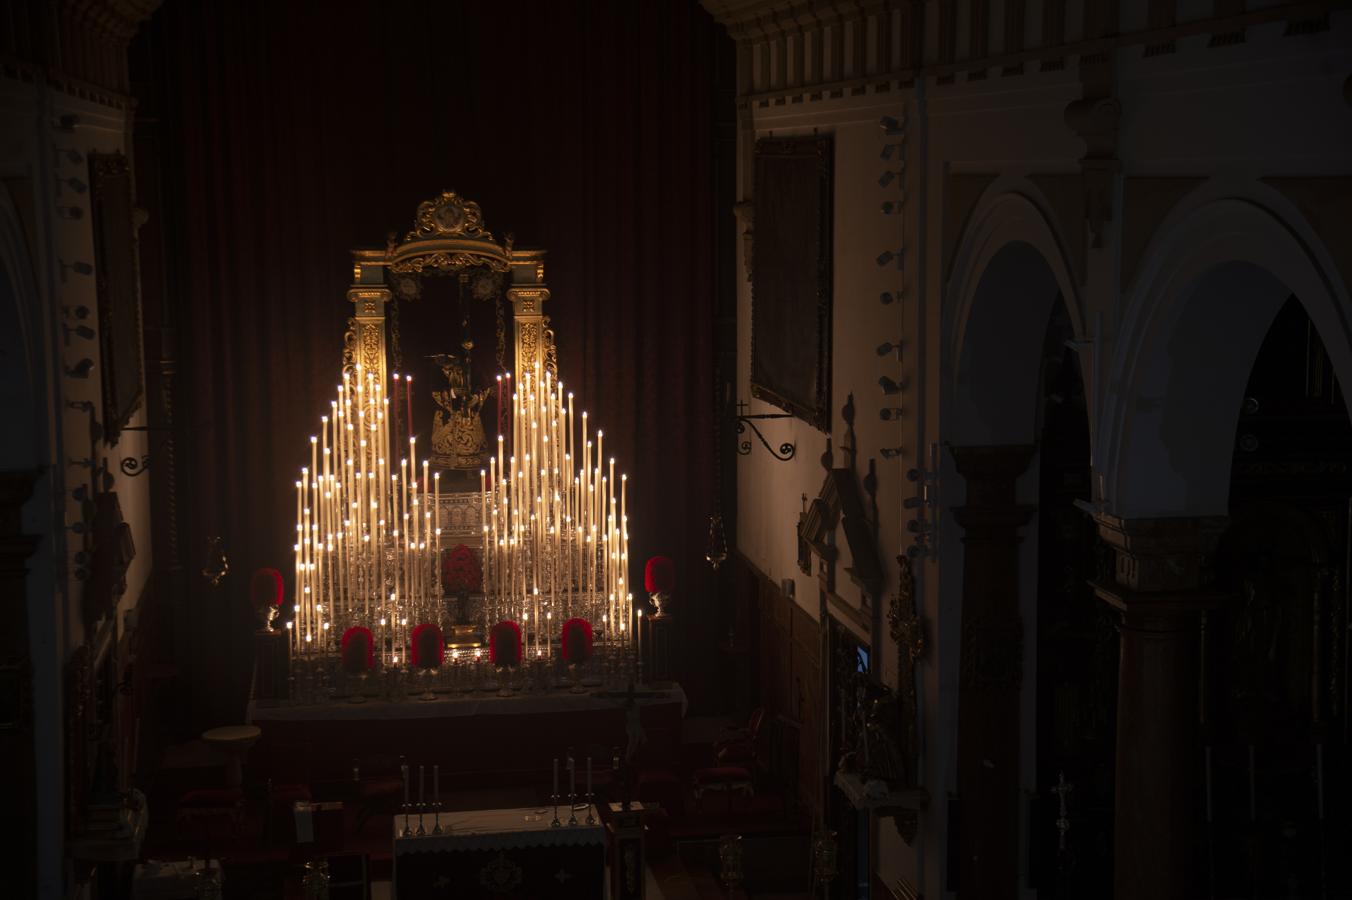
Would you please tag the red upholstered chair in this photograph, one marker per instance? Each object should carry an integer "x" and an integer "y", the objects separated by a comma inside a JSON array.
[
  {"x": 737, "y": 746},
  {"x": 734, "y": 768},
  {"x": 213, "y": 816}
]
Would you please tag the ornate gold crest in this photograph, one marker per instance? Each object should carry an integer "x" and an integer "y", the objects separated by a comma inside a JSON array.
[{"x": 449, "y": 215}]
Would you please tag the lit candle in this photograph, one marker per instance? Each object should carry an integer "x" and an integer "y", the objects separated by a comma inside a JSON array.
[{"x": 408, "y": 393}]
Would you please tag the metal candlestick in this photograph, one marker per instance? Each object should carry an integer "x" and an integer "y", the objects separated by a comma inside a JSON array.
[
  {"x": 421, "y": 807},
  {"x": 572, "y": 813},
  {"x": 405, "y": 832},
  {"x": 591, "y": 819},
  {"x": 436, "y": 817},
  {"x": 554, "y": 798}
]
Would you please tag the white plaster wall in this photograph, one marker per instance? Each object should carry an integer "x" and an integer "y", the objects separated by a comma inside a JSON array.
[
  {"x": 34, "y": 150},
  {"x": 1271, "y": 106}
]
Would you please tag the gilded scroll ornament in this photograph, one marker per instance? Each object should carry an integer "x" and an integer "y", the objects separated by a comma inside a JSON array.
[
  {"x": 527, "y": 334},
  {"x": 440, "y": 262},
  {"x": 448, "y": 215},
  {"x": 551, "y": 350}
]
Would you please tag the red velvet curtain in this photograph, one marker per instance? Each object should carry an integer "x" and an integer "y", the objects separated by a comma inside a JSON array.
[{"x": 300, "y": 130}]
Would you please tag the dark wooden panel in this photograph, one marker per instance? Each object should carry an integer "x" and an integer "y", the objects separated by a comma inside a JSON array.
[{"x": 791, "y": 277}]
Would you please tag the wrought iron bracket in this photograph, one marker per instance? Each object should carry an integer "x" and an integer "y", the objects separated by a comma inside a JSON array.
[
  {"x": 132, "y": 466},
  {"x": 786, "y": 450}
]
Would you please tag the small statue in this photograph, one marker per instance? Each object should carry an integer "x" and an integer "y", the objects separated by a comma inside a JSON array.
[{"x": 457, "y": 427}]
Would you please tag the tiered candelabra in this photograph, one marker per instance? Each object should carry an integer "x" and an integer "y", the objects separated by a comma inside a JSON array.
[
  {"x": 366, "y": 542},
  {"x": 555, "y": 532}
]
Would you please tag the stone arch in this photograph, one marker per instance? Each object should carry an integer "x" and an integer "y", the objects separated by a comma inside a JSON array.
[
  {"x": 1214, "y": 277},
  {"x": 1007, "y": 274}
]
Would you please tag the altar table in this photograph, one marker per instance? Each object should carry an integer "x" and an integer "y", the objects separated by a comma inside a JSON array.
[
  {"x": 477, "y": 739},
  {"x": 503, "y": 854}
]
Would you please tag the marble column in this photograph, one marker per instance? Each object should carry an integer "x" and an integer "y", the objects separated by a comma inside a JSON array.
[
  {"x": 990, "y": 670},
  {"x": 1159, "y": 586}
]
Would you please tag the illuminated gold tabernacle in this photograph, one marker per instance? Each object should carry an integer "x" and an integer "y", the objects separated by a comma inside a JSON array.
[{"x": 549, "y": 522}]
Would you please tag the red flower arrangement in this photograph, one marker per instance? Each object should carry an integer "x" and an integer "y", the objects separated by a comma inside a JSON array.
[
  {"x": 576, "y": 641},
  {"x": 358, "y": 650},
  {"x": 428, "y": 647},
  {"x": 265, "y": 588},
  {"x": 659, "y": 575},
  {"x": 504, "y": 644},
  {"x": 460, "y": 571}
]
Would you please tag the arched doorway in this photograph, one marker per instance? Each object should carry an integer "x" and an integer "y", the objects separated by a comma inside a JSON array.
[
  {"x": 1070, "y": 849},
  {"x": 1018, "y": 426},
  {"x": 1216, "y": 278},
  {"x": 1274, "y": 659}
]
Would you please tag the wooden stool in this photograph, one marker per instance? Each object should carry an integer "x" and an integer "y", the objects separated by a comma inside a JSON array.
[{"x": 234, "y": 741}]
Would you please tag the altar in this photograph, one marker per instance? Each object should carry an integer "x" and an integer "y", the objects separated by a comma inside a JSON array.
[
  {"x": 500, "y": 854},
  {"x": 474, "y": 738}
]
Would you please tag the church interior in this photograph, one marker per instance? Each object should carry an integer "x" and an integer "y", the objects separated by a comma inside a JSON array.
[{"x": 676, "y": 449}]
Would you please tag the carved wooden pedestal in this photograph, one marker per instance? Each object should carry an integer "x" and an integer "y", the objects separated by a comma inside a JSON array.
[{"x": 626, "y": 849}]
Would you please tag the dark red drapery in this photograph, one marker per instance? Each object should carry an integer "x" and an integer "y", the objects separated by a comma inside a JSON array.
[{"x": 295, "y": 131}]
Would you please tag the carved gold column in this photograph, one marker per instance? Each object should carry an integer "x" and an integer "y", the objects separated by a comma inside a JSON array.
[
  {"x": 528, "y": 293},
  {"x": 364, "y": 342},
  {"x": 1159, "y": 587}
]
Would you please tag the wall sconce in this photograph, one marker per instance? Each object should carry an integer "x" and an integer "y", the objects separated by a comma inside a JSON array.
[
  {"x": 83, "y": 331},
  {"x": 887, "y": 347},
  {"x": 888, "y": 255},
  {"x": 66, "y": 123},
  {"x": 886, "y": 298},
  {"x": 891, "y": 452},
  {"x": 73, "y": 183},
  {"x": 888, "y": 385},
  {"x": 891, "y": 207},
  {"x": 888, "y": 177},
  {"x": 890, "y": 413},
  {"x": 79, "y": 268},
  {"x": 744, "y": 421},
  {"x": 890, "y": 125},
  {"x": 81, "y": 369}
]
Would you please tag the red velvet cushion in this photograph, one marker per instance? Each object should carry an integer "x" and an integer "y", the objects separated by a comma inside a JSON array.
[
  {"x": 659, "y": 576},
  {"x": 209, "y": 798},
  {"x": 358, "y": 649},
  {"x": 504, "y": 644},
  {"x": 718, "y": 774},
  {"x": 265, "y": 588},
  {"x": 576, "y": 641},
  {"x": 428, "y": 646},
  {"x": 736, "y": 751}
]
